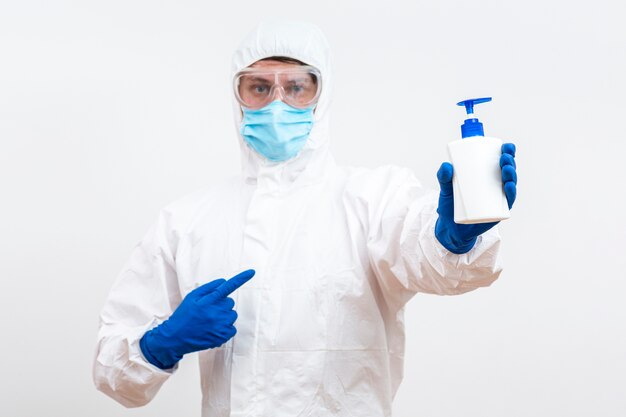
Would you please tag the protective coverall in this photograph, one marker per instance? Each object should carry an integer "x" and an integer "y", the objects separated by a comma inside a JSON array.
[{"x": 338, "y": 252}]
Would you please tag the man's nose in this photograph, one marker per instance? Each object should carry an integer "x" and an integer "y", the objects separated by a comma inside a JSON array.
[{"x": 277, "y": 93}]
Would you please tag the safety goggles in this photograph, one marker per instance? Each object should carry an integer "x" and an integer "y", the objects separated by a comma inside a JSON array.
[{"x": 298, "y": 87}]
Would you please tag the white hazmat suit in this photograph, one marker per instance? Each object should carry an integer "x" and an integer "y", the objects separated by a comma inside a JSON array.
[{"x": 337, "y": 252}]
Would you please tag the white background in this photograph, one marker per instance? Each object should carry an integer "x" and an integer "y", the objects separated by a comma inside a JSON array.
[{"x": 110, "y": 110}]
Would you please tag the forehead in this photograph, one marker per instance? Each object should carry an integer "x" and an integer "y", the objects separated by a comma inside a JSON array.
[{"x": 270, "y": 64}]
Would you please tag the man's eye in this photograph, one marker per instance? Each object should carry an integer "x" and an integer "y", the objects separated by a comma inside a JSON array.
[
  {"x": 260, "y": 89},
  {"x": 295, "y": 88}
]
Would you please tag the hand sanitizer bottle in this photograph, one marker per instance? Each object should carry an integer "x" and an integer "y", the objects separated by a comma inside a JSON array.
[{"x": 477, "y": 181}]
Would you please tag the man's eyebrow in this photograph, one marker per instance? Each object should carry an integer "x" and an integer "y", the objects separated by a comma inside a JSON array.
[
  {"x": 302, "y": 78},
  {"x": 257, "y": 78}
]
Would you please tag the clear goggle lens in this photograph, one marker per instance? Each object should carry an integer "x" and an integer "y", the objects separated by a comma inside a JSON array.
[{"x": 298, "y": 87}]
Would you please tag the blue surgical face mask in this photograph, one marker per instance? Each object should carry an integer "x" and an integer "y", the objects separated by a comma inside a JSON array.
[{"x": 277, "y": 131}]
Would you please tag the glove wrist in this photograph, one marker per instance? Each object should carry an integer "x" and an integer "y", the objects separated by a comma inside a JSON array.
[
  {"x": 451, "y": 242},
  {"x": 460, "y": 248},
  {"x": 156, "y": 353}
]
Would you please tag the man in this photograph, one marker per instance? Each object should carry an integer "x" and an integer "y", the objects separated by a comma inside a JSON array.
[{"x": 337, "y": 253}]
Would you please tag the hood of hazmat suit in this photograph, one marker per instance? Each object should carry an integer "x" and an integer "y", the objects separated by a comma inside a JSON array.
[{"x": 338, "y": 252}]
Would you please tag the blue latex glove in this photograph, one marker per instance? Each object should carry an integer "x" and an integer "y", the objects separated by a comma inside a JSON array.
[
  {"x": 202, "y": 321},
  {"x": 460, "y": 238}
]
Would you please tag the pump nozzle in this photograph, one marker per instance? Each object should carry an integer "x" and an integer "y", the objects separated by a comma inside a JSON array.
[{"x": 472, "y": 126}]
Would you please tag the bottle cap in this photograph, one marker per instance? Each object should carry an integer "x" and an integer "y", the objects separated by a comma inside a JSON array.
[{"x": 472, "y": 126}]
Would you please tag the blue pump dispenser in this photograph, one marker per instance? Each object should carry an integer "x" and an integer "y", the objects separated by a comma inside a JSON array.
[{"x": 472, "y": 126}]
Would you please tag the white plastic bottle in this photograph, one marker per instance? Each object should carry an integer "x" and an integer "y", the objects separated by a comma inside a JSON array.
[{"x": 477, "y": 181}]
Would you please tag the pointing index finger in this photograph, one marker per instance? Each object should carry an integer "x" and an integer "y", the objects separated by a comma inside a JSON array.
[{"x": 226, "y": 288}]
